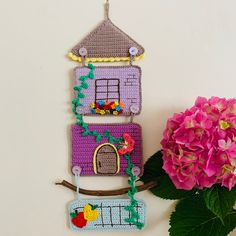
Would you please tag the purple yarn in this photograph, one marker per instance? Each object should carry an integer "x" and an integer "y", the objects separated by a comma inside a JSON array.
[{"x": 83, "y": 148}]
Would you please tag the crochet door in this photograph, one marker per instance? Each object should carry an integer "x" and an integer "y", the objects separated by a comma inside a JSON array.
[{"x": 112, "y": 149}]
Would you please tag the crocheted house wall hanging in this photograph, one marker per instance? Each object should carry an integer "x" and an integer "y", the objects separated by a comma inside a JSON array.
[
  {"x": 196, "y": 163},
  {"x": 107, "y": 149}
]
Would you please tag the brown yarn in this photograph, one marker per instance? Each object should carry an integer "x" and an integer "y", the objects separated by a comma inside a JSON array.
[{"x": 107, "y": 40}]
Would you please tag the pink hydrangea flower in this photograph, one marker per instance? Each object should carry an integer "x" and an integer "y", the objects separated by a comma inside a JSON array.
[{"x": 199, "y": 145}]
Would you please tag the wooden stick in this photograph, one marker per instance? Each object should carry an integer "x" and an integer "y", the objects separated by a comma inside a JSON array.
[{"x": 107, "y": 192}]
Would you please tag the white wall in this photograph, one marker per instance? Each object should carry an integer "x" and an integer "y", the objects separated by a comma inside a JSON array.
[{"x": 190, "y": 51}]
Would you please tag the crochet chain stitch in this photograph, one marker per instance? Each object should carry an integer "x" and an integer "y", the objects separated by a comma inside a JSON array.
[{"x": 134, "y": 216}]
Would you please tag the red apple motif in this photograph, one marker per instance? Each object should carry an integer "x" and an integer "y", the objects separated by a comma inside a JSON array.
[{"x": 79, "y": 221}]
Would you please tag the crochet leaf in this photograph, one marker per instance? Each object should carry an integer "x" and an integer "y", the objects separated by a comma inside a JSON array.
[{"x": 73, "y": 214}]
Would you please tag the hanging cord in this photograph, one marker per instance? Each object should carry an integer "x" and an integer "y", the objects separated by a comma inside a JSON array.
[
  {"x": 83, "y": 61},
  {"x": 107, "y": 7},
  {"x": 76, "y": 171},
  {"x": 131, "y": 117},
  {"x": 132, "y": 59},
  {"x": 83, "y": 53}
]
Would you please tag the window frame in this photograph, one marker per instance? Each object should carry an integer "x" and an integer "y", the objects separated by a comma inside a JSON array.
[{"x": 106, "y": 92}]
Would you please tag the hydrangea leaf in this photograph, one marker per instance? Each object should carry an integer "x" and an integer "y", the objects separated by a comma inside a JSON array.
[
  {"x": 165, "y": 188},
  {"x": 153, "y": 168},
  {"x": 193, "y": 218},
  {"x": 220, "y": 200}
]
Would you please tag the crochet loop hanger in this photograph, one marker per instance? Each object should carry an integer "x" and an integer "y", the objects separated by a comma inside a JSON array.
[
  {"x": 107, "y": 6},
  {"x": 76, "y": 171}
]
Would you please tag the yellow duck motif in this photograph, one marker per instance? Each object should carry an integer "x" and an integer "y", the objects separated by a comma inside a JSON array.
[{"x": 89, "y": 213}]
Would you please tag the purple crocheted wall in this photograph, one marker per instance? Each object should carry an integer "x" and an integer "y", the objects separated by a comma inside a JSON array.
[
  {"x": 83, "y": 148},
  {"x": 112, "y": 84}
]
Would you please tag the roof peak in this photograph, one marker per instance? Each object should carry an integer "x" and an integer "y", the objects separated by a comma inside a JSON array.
[{"x": 106, "y": 42}]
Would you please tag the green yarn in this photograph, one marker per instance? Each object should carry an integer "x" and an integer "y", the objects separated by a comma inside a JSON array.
[
  {"x": 83, "y": 78},
  {"x": 131, "y": 193},
  {"x": 84, "y": 85},
  {"x": 134, "y": 216}
]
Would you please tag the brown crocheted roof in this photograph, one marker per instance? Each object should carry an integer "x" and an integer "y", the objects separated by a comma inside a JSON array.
[{"x": 107, "y": 41}]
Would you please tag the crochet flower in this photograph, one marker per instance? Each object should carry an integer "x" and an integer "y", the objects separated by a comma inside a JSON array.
[
  {"x": 199, "y": 145},
  {"x": 107, "y": 108},
  {"x": 127, "y": 146}
]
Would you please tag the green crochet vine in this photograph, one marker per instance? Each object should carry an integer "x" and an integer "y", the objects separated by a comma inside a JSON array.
[
  {"x": 131, "y": 193},
  {"x": 134, "y": 218}
]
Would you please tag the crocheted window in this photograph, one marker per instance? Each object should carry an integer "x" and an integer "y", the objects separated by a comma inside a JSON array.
[
  {"x": 107, "y": 90},
  {"x": 106, "y": 160}
]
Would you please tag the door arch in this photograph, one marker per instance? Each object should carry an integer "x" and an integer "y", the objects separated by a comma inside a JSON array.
[{"x": 106, "y": 160}]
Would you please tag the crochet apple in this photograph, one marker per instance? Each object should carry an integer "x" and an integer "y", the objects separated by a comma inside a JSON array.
[
  {"x": 89, "y": 214},
  {"x": 79, "y": 221}
]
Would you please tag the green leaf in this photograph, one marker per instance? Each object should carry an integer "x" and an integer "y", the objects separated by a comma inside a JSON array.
[
  {"x": 153, "y": 168},
  {"x": 95, "y": 133},
  {"x": 81, "y": 95},
  {"x": 83, "y": 78},
  {"x": 79, "y": 117},
  {"x": 220, "y": 200},
  {"x": 111, "y": 140},
  {"x": 84, "y": 85},
  {"x": 106, "y": 133},
  {"x": 84, "y": 125},
  {"x": 94, "y": 207},
  {"x": 74, "y": 101},
  {"x": 192, "y": 218},
  {"x": 73, "y": 214},
  {"x": 91, "y": 66},
  {"x": 98, "y": 138},
  {"x": 165, "y": 188},
  {"x": 74, "y": 110},
  {"x": 91, "y": 75},
  {"x": 86, "y": 133},
  {"x": 76, "y": 88}
]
